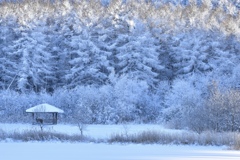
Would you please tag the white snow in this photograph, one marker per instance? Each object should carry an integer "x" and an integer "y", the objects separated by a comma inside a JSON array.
[
  {"x": 94, "y": 131},
  {"x": 91, "y": 151},
  {"x": 44, "y": 108},
  {"x": 12, "y": 150}
]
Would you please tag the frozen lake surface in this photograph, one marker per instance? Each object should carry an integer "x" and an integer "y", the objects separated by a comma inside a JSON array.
[
  {"x": 93, "y": 151},
  {"x": 12, "y": 150}
]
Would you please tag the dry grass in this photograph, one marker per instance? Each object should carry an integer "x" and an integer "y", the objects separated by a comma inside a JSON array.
[
  {"x": 231, "y": 139},
  {"x": 186, "y": 138},
  {"x": 36, "y": 135}
]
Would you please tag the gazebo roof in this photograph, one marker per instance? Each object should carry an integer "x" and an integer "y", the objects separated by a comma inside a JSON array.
[{"x": 44, "y": 108}]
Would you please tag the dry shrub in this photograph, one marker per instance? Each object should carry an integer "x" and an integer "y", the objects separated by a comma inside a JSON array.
[
  {"x": 3, "y": 134},
  {"x": 236, "y": 144}
]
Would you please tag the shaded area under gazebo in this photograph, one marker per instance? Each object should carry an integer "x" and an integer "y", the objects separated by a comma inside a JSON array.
[{"x": 44, "y": 114}]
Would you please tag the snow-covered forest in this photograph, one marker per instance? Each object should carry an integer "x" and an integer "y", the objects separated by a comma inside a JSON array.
[{"x": 118, "y": 61}]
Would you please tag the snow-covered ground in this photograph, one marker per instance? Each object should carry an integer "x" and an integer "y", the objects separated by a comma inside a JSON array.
[
  {"x": 92, "y": 151},
  {"x": 10, "y": 150},
  {"x": 94, "y": 131}
]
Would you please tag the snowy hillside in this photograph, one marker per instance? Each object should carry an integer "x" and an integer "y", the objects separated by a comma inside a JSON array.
[{"x": 123, "y": 61}]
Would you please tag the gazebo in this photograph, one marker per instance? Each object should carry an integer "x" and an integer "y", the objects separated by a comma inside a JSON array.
[{"x": 44, "y": 114}]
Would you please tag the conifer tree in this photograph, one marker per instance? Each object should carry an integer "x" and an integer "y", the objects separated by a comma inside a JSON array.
[
  {"x": 138, "y": 57},
  {"x": 8, "y": 60}
]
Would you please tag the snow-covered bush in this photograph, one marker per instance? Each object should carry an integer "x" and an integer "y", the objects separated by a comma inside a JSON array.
[
  {"x": 125, "y": 101},
  {"x": 223, "y": 109},
  {"x": 188, "y": 108},
  {"x": 184, "y": 104}
]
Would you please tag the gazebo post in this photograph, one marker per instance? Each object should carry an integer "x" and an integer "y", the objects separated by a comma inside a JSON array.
[
  {"x": 33, "y": 117},
  {"x": 56, "y": 117},
  {"x": 53, "y": 118}
]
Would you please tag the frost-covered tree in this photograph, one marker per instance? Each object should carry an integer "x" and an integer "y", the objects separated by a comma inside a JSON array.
[
  {"x": 57, "y": 47},
  {"x": 190, "y": 53},
  {"x": 222, "y": 109},
  {"x": 43, "y": 59},
  {"x": 103, "y": 35},
  {"x": 24, "y": 49},
  {"x": 87, "y": 61},
  {"x": 81, "y": 57},
  {"x": 95, "y": 105},
  {"x": 34, "y": 70},
  {"x": 138, "y": 57},
  {"x": 78, "y": 59},
  {"x": 236, "y": 77},
  {"x": 129, "y": 93},
  {"x": 8, "y": 60},
  {"x": 183, "y": 105},
  {"x": 223, "y": 58}
]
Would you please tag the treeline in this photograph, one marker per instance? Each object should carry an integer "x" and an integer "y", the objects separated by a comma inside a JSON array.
[
  {"x": 127, "y": 101},
  {"x": 46, "y": 45},
  {"x": 142, "y": 56}
]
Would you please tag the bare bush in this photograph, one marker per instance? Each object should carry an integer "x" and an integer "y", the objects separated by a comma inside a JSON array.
[
  {"x": 223, "y": 109},
  {"x": 218, "y": 112},
  {"x": 236, "y": 143},
  {"x": 2, "y": 134}
]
